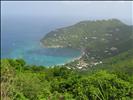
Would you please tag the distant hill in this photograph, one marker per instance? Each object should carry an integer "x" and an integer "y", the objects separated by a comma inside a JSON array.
[{"x": 98, "y": 39}]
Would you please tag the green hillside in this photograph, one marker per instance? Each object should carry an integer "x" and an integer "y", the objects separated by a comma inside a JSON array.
[
  {"x": 112, "y": 80},
  {"x": 96, "y": 39},
  {"x": 89, "y": 35},
  {"x": 119, "y": 63},
  {"x": 122, "y": 60}
]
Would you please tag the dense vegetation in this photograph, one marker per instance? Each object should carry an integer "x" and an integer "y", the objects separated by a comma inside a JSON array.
[{"x": 113, "y": 80}]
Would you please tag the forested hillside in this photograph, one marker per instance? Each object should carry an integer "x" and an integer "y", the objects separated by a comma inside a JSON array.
[
  {"x": 97, "y": 40},
  {"x": 112, "y": 80},
  {"x": 90, "y": 35}
]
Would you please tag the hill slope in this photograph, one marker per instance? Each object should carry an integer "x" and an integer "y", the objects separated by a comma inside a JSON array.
[
  {"x": 122, "y": 62},
  {"x": 60, "y": 83},
  {"x": 119, "y": 63},
  {"x": 101, "y": 38}
]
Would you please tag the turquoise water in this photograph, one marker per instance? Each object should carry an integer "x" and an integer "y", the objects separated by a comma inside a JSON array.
[
  {"x": 21, "y": 39},
  {"x": 33, "y": 52}
]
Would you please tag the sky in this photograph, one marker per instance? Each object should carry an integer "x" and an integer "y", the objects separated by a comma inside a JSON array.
[{"x": 80, "y": 10}]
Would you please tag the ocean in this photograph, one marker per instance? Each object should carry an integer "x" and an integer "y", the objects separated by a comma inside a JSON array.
[{"x": 20, "y": 38}]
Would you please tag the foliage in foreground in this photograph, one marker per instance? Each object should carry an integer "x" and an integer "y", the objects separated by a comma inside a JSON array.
[{"x": 27, "y": 82}]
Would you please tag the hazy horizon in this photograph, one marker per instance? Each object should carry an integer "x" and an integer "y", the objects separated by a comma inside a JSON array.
[{"x": 66, "y": 10}]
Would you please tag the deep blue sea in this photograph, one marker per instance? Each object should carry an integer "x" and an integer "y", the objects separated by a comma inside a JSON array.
[{"x": 20, "y": 38}]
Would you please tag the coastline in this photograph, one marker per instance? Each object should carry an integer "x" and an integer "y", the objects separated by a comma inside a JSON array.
[{"x": 72, "y": 60}]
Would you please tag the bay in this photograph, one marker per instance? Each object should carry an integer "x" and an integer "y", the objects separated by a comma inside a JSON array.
[{"x": 21, "y": 39}]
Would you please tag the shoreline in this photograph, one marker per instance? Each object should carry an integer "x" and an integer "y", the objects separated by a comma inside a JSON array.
[
  {"x": 58, "y": 47},
  {"x": 74, "y": 59}
]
